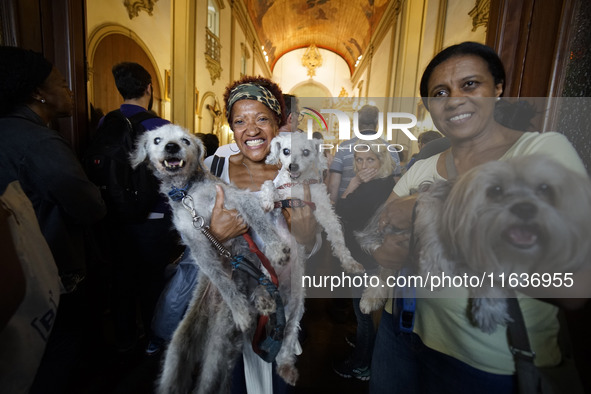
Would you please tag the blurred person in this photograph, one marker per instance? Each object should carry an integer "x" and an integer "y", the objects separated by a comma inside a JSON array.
[
  {"x": 341, "y": 168},
  {"x": 367, "y": 191},
  {"x": 33, "y": 93},
  {"x": 422, "y": 140}
]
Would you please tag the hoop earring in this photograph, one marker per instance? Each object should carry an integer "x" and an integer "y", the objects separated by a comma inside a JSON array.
[{"x": 234, "y": 142}]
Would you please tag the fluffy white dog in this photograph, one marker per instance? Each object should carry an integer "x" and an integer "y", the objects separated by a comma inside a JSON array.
[
  {"x": 207, "y": 338},
  {"x": 521, "y": 216},
  {"x": 301, "y": 163}
]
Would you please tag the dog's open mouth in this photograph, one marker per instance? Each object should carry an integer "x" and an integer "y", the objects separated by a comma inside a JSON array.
[
  {"x": 173, "y": 163},
  {"x": 294, "y": 174},
  {"x": 522, "y": 236}
]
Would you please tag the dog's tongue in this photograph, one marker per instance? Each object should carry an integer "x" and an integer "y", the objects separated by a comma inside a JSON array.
[{"x": 522, "y": 236}]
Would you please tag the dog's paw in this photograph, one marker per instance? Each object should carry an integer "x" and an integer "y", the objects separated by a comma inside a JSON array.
[
  {"x": 488, "y": 313},
  {"x": 279, "y": 255},
  {"x": 372, "y": 299},
  {"x": 353, "y": 267},
  {"x": 263, "y": 302},
  {"x": 267, "y": 196},
  {"x": 289, "y": 373}
]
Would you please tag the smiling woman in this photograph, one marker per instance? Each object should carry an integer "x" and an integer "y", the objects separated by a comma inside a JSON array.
[
  {"x": 446, "y": 352},
  {"x": 254, "y": 112}
]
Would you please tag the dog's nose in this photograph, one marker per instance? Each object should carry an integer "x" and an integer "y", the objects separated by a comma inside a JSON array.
[
  {"x": 524, "y": 210},
  {"x": 294, "y": 167},
  {"x": 171, "y": 147}
]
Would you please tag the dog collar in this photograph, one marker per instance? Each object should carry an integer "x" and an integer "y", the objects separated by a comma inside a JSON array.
[
  {"x": 177, "y": 194},
  {"x": 294, "y": 203},
  {"x": 292, "y": 184}
]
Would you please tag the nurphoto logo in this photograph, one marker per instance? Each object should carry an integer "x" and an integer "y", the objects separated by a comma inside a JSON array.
[{"x": 402, "y": 121}]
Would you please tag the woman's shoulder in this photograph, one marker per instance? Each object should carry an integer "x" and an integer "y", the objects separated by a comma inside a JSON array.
[
  {"x": 422, "y": 171},
  {"x": 552, "y": 144}
]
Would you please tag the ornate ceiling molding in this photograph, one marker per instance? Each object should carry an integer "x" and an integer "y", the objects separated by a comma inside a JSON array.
[
  {"x": 135, "y": 6},
  {"x": 312, "y": 59}
]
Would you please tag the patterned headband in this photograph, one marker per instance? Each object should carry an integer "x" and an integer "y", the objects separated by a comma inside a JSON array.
[{"x": 251, "y": 91}]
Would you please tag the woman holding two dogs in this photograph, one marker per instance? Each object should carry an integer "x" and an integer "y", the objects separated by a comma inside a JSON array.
[
  {"x": 254, "y": 112},
  {"x": 445, "y": 352}
]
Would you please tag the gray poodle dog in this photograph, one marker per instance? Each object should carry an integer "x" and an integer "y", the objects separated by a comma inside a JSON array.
[{"x": 208, "y": 340}]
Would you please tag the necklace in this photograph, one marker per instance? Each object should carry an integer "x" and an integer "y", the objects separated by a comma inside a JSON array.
[{"x": 249, "y": 173}]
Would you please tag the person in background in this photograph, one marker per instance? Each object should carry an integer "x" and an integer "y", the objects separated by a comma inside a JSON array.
[
  {"x": 341, "y": 168},
  {"x": 140, "y": 249},
  {"x": 367, "y": 191},
  {"x": 292, "y": 114},
  {"x": 33, "y": 93},
  {"x": 423, "y": 139},
  {"x": 446, "y": 353}
]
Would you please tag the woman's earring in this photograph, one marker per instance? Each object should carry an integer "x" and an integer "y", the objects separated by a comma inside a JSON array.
[
  {"x": 498, "y": 99},
  {"x": 232, "y": 150},
  {"x": 42, "y": 101}
]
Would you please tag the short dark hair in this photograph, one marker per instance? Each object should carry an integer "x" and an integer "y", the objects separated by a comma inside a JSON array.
[
  {"x": 131, "y": 79},
  {"x": 428, "y": 136},
  {"x": 21, "y": 72},
  {"x": 267, "y": 84},
  {"x": 486, "y": 53},
  {"x": 288, "y": 99},
  {"x": 368, "y": 117}
]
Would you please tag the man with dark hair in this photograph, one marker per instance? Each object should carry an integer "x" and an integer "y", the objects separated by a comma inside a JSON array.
[
  {"x": 141, "y": 248},
  {"x": 341, "y": 168}
]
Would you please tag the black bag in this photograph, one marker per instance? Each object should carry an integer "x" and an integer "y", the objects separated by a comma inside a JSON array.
[{"x": 129, "y": 194}]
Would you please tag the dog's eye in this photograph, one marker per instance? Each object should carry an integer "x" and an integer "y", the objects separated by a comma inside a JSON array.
[
  {"x": 545, "y": 191},
  {"x": 494, "y": 192},
  {"x": 157, "y": 140},
  {"x": 186, "y": 141},
  {"x": 306, "y": 152},
  {"x": 286, "y": 152}
]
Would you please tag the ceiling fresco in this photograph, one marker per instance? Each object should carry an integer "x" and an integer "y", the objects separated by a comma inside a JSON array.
[{"x": 342, "y": 26}]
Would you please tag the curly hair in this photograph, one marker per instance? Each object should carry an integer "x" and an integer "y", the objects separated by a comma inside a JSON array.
[{"x": 264, "y": 82}]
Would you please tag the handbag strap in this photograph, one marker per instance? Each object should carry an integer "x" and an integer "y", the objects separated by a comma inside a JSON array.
[
  {"x": 528, "y": 375},
  {"x": 519, "y": 341}
]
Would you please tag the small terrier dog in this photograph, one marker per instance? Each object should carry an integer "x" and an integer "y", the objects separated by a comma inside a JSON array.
[
  {"x": 301, "y": 163},
  {"x": 525, "y": 215},
  {"x": 520, "y": 216},
  {"x": 207, "y": 337}
]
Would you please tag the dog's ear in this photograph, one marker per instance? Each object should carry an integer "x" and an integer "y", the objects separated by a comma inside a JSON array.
[
  {"x": 198, "y": 144},
  {"x": 273, "y": 156},
  {"x": 140, "y": 154},
  {"x": 322, "y": 161}
]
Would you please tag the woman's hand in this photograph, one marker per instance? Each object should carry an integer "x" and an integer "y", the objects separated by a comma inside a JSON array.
[
  {"x": 363, "y": 176},
  {"x": 301, "y": 222},
  {"x": 367, "y": 174},
  {"x": 225, "y": 223},
  {"x": 397, "y": 215}
]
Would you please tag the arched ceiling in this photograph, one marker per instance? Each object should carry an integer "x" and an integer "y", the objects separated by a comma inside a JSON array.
[{"x": 342, "y": 26}]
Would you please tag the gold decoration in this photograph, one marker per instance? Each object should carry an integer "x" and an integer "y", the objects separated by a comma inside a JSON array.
[
  {"x": 480, "y": 13},
  {"x": 343, "y": 92},
  {"x": 312, "y": 60},
  {"x": 135, "y": 6},
  {"x": 214, "y": 68}
]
